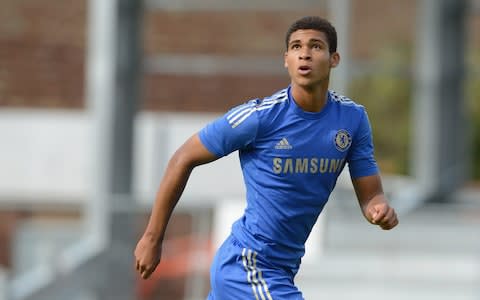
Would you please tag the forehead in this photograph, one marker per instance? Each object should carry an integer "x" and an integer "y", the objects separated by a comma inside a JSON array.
[{"x": 305, "y": 35}]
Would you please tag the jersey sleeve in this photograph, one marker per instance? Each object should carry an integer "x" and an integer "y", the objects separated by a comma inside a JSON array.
[
  {"x": 235, "y": 130},
  {"x": 361, "y": 161}
]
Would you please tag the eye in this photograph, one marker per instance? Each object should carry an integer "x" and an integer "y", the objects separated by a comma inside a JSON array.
[
  {"x": 295, "y": 46},
  {"x": 317, "y": 46}
]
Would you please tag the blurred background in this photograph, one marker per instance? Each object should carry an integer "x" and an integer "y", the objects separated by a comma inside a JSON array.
[{"x": 95, "y": 96}]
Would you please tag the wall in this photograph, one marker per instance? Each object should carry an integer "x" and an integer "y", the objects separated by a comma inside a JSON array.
[
  {"x": 46, "y": 157},
  {"x": 42, "y": 51}
]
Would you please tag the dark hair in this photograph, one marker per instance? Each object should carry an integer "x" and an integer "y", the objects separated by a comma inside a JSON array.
[{"x": 315, "y": 23}]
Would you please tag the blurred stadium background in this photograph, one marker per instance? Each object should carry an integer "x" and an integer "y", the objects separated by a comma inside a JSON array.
[{"x": 96, "y": 95}]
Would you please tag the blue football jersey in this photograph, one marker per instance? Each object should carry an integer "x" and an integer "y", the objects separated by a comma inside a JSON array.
[{"x": 290, "y": 160}]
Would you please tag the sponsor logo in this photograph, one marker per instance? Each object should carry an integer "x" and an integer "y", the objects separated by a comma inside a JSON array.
[
  {"x": 307, "y": 165},
  {"x": 283, "y": 144}
]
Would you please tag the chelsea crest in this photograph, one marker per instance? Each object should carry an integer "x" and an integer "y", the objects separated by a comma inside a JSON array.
[{"x": 343, "y": 140}]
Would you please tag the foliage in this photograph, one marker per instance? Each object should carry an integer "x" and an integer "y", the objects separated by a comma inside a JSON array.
[
  {"x": 473, "y": 107},
  {"x": 386, "y": 90}
]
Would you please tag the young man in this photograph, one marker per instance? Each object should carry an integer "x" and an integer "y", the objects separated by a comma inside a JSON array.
[{"x": 292, "y": 147}]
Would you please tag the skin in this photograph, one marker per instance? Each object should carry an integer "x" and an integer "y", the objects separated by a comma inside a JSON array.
[
  {"x": 309, "y": 48},
  {"x": 309, "y": 63},
  {"x": 148, "y": 251}
]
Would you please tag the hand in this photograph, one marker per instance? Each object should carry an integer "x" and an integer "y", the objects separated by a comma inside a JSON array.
[
  {"x": 147, "y": 256},
  {"x": 382, "y": 215}
]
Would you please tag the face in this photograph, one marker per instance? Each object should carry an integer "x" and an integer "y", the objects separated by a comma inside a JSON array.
[{"x": 307, "y": 58}]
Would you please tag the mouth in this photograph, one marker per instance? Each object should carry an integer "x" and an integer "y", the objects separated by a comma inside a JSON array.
[{"x": 304, "y": 70}]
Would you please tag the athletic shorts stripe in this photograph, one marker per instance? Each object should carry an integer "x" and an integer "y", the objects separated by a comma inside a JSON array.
[
  {"x": 254, "y": 275},
  {"x": 249, "y": 279},
  {"x": 260, "y": 276}
]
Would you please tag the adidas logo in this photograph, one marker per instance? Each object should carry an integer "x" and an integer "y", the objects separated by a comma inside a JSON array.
[{"x": 283, "y": 144}]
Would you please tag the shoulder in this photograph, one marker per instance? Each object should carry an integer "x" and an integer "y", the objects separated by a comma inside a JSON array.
[
  {"x": 252, "y": 111},
  {"x": 261, "y": 108},
  {"x": 346, "y": 103},
  {"x": 273, "y": 102},
  {"x": 355, "y": 113},
  {"x": 272, "y": 110}
]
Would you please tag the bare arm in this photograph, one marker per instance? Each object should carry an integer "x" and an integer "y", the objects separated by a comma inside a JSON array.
[
  {"x": 191, "y": 154},
  {"x": 373, "y": 202}
]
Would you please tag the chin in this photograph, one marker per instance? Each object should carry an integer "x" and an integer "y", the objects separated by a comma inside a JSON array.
[{"x": 306, "y": 84}]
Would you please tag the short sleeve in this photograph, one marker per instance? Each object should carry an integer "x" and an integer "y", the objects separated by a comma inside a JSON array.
[
  {"x": 361, "y": 161},
  {"x": 235, "y": 130}
]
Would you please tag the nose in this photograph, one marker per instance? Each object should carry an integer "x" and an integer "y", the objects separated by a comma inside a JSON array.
[{"x": 305, "y": 55}]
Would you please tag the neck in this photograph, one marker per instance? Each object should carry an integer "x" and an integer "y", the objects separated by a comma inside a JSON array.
[{"x": 311, "y": 99}]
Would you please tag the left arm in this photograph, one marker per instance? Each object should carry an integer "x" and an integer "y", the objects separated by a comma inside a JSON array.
[{"x": 373, "y": 202}]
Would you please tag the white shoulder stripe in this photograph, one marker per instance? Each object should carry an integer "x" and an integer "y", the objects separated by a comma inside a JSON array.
[
  {"x": 277, "y": 95},
  {"x": 340, "y": 98},
  {"x": 243, "y": 118},
  {"x": 269, "y": 106},
  {"x": 244, "y": 111},
  {"x": 239, "y": 108},
  {"x": 275, "y": 100},
  {"x": 240, "y": 114}
]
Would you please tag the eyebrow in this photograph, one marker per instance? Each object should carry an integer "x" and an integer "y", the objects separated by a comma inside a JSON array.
[{"x": 310, "y": 41}]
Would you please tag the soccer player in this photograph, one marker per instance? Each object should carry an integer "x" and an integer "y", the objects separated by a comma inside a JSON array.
[{"x": 292, "y": 147}]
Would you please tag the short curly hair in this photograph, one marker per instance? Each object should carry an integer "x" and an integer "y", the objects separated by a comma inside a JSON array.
[{"x": 315, "y": 23}]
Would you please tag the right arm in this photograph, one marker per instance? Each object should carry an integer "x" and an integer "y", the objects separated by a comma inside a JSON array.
[
  {"x": 148, "y": 250},
  {"x": 235, "y": 130}
]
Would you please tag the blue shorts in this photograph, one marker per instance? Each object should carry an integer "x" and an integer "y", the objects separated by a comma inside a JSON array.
[{"x": 241, "y": 273}]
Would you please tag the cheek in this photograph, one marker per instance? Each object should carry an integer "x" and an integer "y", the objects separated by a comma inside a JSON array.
[
  {"x": 324, "y": 63},
  {"x": 289, "y": 64}
]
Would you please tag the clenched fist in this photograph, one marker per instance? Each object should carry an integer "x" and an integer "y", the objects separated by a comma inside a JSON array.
[
  {"x": 382, "y": 215},
  {"x": 147, "y": 256}
]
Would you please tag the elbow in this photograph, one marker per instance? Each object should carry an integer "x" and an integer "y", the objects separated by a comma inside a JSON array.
[{"x": 181, "y": 160}]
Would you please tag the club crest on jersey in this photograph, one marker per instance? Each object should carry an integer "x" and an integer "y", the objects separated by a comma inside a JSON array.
[{"x": 342, "y": 140}]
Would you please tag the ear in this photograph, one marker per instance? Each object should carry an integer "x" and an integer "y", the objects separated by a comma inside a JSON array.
[
  {"x": 285, "y": 64},
  {"x": 334, "y": 59}
]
